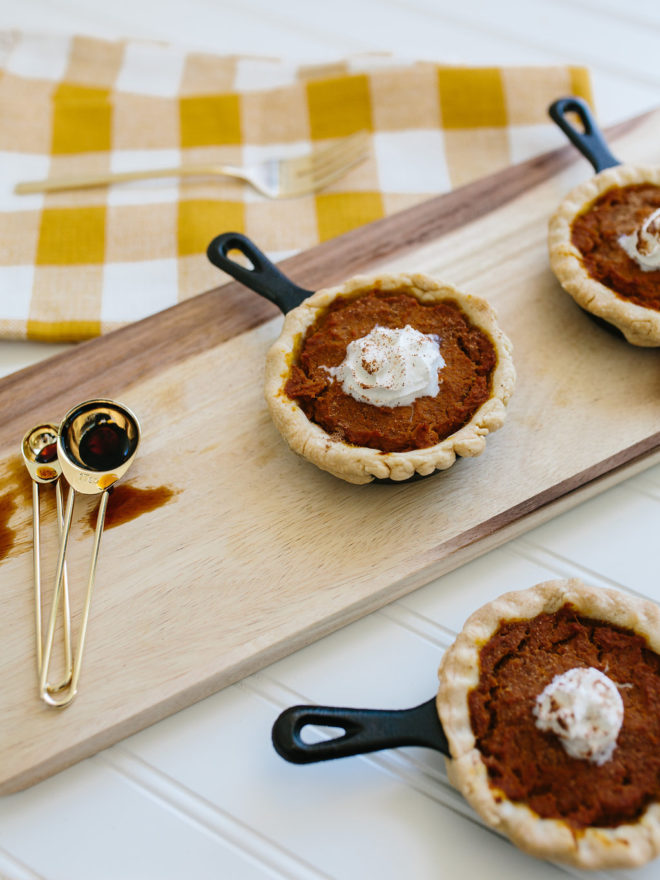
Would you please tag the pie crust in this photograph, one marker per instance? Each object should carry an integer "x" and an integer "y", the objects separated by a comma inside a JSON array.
[
  {"x": 639, "y": 325},
  {"x": 360, "y": 464},
  {"x": 594, "y": 847}
]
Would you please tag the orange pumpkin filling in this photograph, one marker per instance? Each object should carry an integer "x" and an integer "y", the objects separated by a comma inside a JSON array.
[
  {"x": 465, "y": 379},
  {"x": 596, "y": 232}
]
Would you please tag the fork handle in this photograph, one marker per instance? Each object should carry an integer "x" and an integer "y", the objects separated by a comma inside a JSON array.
[
  {"x": 84, "y": 181},
  {"x": 263, "y": 277}
]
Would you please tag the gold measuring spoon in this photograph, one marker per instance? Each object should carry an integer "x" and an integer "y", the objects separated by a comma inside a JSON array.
[
  {"x": 39, "y": 449},
  {"x": 96, "y": 445}
]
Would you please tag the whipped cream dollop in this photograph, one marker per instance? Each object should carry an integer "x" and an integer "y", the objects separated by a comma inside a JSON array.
[
  {"x": 583, "y": 707},
  {"x": 643, "y": 244},
  {"x": 390, "y": 367}
]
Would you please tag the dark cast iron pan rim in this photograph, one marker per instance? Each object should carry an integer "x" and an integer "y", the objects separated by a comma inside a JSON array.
[
  {"x": 266, "y": 279},
  {"x": 362, "y": 731},
  {"x": 591, "y": 143}
]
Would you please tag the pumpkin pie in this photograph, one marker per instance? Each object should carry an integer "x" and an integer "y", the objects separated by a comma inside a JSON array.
[
  {"x": 604, "y": 242},
  {"x": 550, "y": 701},
  {"x": 389, "y": 376}
]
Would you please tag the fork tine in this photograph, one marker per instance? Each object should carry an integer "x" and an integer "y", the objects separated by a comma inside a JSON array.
[
  {"x": 353, "y": 147},
  {"x": 328, "y": 162},
  {"x": 323, "y": 179},
  {"x": 346, "y": 147},
  {"x": 356, "y": 141}
]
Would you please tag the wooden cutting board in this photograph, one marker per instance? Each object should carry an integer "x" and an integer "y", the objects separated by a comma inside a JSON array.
[{"x": 238, "y": 552}]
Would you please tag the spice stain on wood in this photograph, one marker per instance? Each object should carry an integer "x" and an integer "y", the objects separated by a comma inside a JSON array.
[
  {"x": 127, "y": 502},
  {"x": 14, "y": 477},
  {"x": 7, "y": 534},
  {"x": 15, "y": 492}
]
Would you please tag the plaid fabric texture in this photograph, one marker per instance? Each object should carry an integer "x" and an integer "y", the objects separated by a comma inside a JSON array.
[{"x": 76, "y": 264}]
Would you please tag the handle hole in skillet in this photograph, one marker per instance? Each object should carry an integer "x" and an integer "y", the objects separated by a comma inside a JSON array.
[
  {"x": 315, "y": 733},
  {"x": 577, "y": 122},
  {"x": 240, "y": 259}
]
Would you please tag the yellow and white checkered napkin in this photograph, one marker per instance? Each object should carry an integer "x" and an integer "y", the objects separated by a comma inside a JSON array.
[{"x": 73, "y": 265}]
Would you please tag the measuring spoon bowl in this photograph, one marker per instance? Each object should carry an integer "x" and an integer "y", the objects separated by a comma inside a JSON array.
[
  {"x": 97, "y": 442},
  {"x": 39, "y": 450}
]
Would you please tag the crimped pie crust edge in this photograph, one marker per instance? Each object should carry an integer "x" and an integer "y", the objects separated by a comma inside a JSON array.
[
  {"x": 624, "y": 846},
  {"x": 640, "y": 326},
  {"x": 359, "y": 464}
]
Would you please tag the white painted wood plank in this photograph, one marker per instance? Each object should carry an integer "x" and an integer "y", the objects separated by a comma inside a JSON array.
[
  {"x": 651, "y": 478},
  {"x": 452, "y": 598},
  {"x": 92, "y": 822},
  {"x": 298, "y": 30},
  {"x": 215, "y": 27},
  {"x": 575, "y": 32},
  {"x": 612, "y": 535},
  {"x": 352, "y": 817},
  {"x": 12, "y": 869},
  {"x": 643, "y": 12}
]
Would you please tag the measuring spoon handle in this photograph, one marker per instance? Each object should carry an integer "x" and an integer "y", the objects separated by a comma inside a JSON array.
[
  {"x": 263, "y": 277},
  {"x": 363, "y": 730},
  {"x": 590, "y": 142}
]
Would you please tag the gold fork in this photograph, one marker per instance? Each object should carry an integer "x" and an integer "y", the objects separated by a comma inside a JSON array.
[{"x": 275, "y": 178}]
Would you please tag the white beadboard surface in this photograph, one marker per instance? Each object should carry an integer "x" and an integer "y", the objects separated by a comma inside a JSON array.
[{"x": 202, "y": 794}]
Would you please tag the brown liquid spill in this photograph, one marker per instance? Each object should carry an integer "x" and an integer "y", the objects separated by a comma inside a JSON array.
[
  {"x": 15, "y": 491},
  {"x": 7, "y": 534},
  {"x": 14, "y": 476},
  {"x": 128, "y": 502}
]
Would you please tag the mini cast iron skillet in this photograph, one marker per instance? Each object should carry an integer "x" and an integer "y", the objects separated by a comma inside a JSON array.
[
  {"x": 591, "y": 143},
  {"x": 447, "y": 720},
  {"x": 265, "y": 278},
  {"x": 364, "y": 730}
]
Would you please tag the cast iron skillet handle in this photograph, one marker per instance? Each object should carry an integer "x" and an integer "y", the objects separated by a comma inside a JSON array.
[
  {"x": 364, "y": 730},
  {"x": 589, "y": 142},
  {"x": 264, "y": 278}
]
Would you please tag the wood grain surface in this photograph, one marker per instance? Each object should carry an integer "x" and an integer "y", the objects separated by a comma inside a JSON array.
[{"x": 253, "y": 552}]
